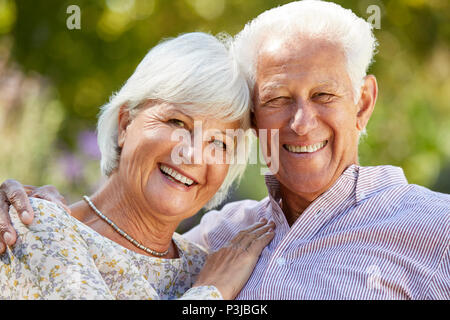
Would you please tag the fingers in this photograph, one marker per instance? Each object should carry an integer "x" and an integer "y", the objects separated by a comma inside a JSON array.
[
  {"x": 258, "y": 245},
  {"x": 7, "y": 233},
  {"x": 50, "y": 193},
  {"x": 16, "y": 195},
  {"x": 244, "y": 232},
  {"x": 29, "y": 188},
  {"x": 230, "y": 267},
  {"x": 258, "y": 232},
  {"x": 250, "y": 238}
]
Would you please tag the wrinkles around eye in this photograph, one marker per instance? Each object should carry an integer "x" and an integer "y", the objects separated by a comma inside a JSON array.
[
  {"x": 177, "y": 122},
  {"x": 278, "y": 101},
  {"x": 324, "y": 97}
]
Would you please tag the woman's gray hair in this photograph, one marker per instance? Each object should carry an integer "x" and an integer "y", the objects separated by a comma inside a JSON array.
[{"x": 195, "y": 70}]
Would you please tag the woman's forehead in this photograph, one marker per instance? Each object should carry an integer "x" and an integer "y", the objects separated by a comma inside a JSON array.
[{"x": 192, "y": 111}]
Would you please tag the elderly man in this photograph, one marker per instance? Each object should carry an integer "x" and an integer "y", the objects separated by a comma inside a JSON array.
[{"x": 343, "y": 231}]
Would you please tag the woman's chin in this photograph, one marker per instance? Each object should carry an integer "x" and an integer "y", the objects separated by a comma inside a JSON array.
[
  {"x": 171, "y": 205},
  {"x": 170, "y": 198}
]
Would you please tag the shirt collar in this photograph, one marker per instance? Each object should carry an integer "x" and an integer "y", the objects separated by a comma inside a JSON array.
[
  {"x": 362, "y": 182},
  {"x": 372, "y": 180}
]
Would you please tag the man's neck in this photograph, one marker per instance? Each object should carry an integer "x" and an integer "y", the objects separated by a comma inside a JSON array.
[{"x": 294, "y": 204}]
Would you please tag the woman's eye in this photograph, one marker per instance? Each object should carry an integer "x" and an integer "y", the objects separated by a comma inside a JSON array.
[
  {"x": 178, "y": 123},
  {"x": 219, "y": 144}
]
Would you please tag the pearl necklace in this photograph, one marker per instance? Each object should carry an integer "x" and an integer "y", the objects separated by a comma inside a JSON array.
[{"x": 123, "y": 233}]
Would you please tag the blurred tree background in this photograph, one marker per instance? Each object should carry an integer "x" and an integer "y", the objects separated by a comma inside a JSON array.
[{"x": 53, "y": 81}]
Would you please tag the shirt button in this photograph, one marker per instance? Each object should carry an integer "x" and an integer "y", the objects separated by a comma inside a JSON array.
[{"x": 281, "y": 261}]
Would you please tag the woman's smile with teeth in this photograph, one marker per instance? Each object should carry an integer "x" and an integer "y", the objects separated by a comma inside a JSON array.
[
  {"x": 305, "y": 149},
  {"x": 175, "y": 176}
]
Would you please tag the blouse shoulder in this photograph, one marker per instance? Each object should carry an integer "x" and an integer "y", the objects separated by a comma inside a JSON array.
[
  {"x": 194, "y": 254},
  {"x": 53, "y": 230},
  {"x": 188, "y": 246},
  {"x": 48, "y": 218},
  {"x": 50, "y": 259}
]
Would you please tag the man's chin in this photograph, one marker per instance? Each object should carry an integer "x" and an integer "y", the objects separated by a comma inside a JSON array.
[{"x": 303, "y": 185}]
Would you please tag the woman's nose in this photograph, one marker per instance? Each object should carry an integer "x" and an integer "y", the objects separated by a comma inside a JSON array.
[{"x": 194, "y": 153}]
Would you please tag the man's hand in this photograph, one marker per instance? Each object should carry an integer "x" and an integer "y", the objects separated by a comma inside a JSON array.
[
  {"x": 229, "y": 268},
  {"x": 14, "y": 193}
]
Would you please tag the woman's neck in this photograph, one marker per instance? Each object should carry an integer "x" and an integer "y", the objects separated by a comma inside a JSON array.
[{"x": 130, "y": 212}]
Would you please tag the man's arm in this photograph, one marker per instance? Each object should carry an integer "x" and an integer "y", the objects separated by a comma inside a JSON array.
[
  {"x": 194, "y": 235},
  {"x": 223, "y": 224},
  {"x": 440, "y": 283}
]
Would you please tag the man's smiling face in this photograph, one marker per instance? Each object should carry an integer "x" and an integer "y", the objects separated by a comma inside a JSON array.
[{"x": 304, "y": 91}]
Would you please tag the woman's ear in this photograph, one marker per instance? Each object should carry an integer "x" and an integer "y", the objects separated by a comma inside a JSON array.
[
  {"x": 366, "y": 103},
  {"x": 124, "y": 120}
]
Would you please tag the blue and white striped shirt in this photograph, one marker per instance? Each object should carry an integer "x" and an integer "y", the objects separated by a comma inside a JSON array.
[{"x": 370, "y": 236}]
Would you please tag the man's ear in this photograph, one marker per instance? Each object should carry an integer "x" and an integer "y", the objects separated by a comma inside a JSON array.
[
  {"x": 124, "y": 120},
  {"x": 366, "y": 103}
]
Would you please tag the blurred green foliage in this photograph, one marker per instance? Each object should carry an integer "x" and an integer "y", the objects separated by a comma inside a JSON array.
[{"x": 53, "y": 80}]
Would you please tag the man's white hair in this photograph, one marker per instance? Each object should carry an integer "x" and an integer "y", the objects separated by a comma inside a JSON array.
[
  {"x": 309, "y": 20},
  {"x": 195, "y": 71}
]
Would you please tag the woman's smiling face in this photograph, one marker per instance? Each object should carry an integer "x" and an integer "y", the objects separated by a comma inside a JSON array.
[{"x": 148, "y": 168}]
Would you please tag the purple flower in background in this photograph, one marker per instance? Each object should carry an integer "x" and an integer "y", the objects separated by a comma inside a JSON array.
[
  {"x": 87, "y": 141},
  {"x": 72, "y": 167}
]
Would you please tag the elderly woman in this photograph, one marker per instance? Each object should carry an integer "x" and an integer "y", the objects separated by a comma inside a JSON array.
[{"x": 120, "y": 242}]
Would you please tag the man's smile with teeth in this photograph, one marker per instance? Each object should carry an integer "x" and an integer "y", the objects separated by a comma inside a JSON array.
[
  {"x": 175, "y": 176},
  {"x": 306, "y": 149}
]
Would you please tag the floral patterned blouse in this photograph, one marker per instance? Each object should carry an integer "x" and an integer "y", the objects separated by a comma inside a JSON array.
[{"x": 58, "y": 257}]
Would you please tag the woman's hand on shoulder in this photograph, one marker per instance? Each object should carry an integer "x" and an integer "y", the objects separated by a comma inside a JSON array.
[
  {"x": 14, "y": 193},
  {"x": 229, "y": 268}
]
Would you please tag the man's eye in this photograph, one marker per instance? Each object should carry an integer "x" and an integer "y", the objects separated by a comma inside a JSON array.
[
  {"x": 278, "y": 101},
  {"x": 323, "y": 96},
  {"x": 177, "y": 123}
]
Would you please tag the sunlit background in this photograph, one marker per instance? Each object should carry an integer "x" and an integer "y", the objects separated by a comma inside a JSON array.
[{"x": 53, "y": 81}]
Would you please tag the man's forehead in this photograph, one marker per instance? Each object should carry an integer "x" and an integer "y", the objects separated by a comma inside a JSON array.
[
  {"x": 299, "y": 48},
  {"x": 274, "y": 84},
  {"x": 319, "y": 60}
]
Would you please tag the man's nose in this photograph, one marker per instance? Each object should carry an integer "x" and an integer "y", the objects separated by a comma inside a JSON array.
[{"x": 304, "y": 119}]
